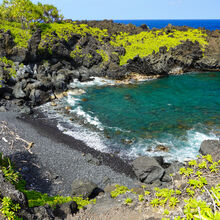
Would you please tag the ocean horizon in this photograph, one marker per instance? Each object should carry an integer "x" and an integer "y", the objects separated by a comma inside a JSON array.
[{"x": 210, "y": 24}]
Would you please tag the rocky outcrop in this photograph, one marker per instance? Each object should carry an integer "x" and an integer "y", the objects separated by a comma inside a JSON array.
[
  {"x": 66, "y": 210},
  {"x": 211, "y": 147},
  {"x": 84, "y": 188},
  {"x": 8, "y": 190},
  {"x": 147, "y": 169},
  {"x": 33, "y": 46},
  {"x": 182, "y": 58}
]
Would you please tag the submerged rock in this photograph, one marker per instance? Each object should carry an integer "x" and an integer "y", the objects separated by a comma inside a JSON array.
[{"x": 162, "y": 148}]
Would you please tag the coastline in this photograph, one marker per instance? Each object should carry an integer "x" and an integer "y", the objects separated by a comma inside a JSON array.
[{"x": 50, "y": 161}]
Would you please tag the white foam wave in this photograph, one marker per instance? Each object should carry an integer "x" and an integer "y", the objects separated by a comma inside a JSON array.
[
  {"x": 76, "y": 92},
  {"x": 97, "y": 81},
  {"x": 88, "y": 119},
  {"x": 181, "y": 149},
  {"x": 91, "y": 139}
]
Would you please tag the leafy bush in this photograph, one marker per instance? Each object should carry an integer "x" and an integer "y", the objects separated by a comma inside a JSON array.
[
  {"x": 9, "y": 209},
  {"x": 26, "y": 12},
  {"x": 8, "y": 170},
  {"x": 105, "y": 57},
  {"x": 119, "y": 190}
]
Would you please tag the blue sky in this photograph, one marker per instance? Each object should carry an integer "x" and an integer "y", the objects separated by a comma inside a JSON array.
[{"x": 137, "y": 9}]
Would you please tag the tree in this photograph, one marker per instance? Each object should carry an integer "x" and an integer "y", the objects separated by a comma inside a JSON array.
[
  {"x": 50, "y": 13},
  {"x": 26, "y": 12}
]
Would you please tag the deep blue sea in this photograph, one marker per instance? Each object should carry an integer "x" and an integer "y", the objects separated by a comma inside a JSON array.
[
  {"x": 178, "y": 112},
  {"x": 208, "y": 24}
]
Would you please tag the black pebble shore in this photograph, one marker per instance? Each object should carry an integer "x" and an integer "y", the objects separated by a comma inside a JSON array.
[{"x": 58, "y": 159}]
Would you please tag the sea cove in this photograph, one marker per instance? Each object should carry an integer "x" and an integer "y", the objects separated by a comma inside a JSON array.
[
  {"x": 109, "y": 119},
  {"x": 177, "y": 113}
]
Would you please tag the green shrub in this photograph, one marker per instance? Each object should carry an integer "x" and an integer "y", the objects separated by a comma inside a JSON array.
[
  {"x": 119, "y": 190},
  {"x": 9, "y": 209}
]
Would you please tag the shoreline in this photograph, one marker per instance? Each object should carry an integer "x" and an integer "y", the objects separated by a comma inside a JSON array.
[
  {"x": 57, "y": 160},
  {"x": 49, "y": 129}
]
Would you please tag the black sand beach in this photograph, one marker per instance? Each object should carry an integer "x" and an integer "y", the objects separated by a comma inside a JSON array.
[{"x": 56, "y": 160}]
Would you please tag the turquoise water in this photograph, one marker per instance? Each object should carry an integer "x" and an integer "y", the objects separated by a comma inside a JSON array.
[{"x": 178, "y": 112}]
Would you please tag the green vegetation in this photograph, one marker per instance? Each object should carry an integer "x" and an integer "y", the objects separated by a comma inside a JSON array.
[
  {"x": 9, "y": 66},
  {"x": 76, "y": 53},
  {"x": 105, "y": 57},
  {"x": 128, "y": 201},
  {"x": 26, "y": 12},
  {"x": 66, "y": 30},
  {"x": 21, "y": 36},
  {"x": 187, "y": 200},
  {"x": 145, "y": 43},
  {"x": 119, "y": 190},
  {"x": 38, "y": 199},
  {"x": 8, "y": 170},
  {"x": 9, "y": 209}
]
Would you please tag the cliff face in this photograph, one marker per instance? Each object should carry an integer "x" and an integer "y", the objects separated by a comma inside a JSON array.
[{"x": 37, "y": 62}]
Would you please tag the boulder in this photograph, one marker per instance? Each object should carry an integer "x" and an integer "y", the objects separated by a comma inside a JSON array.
[
  {"x": 211, "y": 147},
  {"x": 73, "y": 40},
  {"x": 147, "y": 169},
  {"x": 56, "y": 66},
  {"x": 41, "y": 212},
  {"x": 8, "y": 190},
  {"x": 172, "y": 169},
  {"x": 84, "y": 188},
  {"x": 92, "y": 160},
  {"x": 3, "y": 109},
  {"x": 94, "y": 59},
  {"x": 60, "y": 49},
  {"x": 38, "y": 97},
  {"x": 25, "y": 110},
  {"x": 18, "y": 92},
  {"x": 145, "y": 27},
  {"x": 63, "y": 210},
  {"x": 18, "y": 54}
]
